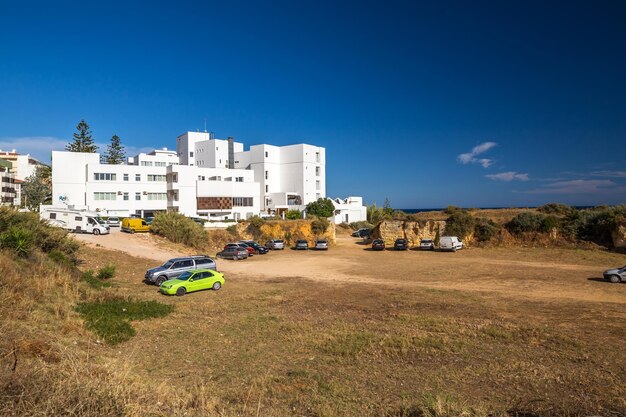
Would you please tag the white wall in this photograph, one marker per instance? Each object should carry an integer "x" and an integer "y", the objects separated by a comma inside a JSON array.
[{"x": 349, "y": 210}]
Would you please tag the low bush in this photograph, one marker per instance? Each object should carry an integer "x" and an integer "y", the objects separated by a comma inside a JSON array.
[
  {"x": 179, "y": 229},
  {"x": 110, "y": 319},
  {"x": 556, "y": 208},
  {"x": 90, "y": 278},
  {"x": 17, "y": 239},
  {"x": 293, "y": 215},
  {"x": 319, "y": 226},
  {"x": 525, "y": 222},
  {"x": 361, "y": 225},
  {"x": 485, "y": 229},
  {"x": 460, "y": 223},
  {"x": 106, "y": 272}
]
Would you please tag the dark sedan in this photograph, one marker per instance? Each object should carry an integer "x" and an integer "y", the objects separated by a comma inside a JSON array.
[
  {"x": 258, "y": 249},
  {"x": 401, "y": 244},
  {"x": 378, "y": 244}
]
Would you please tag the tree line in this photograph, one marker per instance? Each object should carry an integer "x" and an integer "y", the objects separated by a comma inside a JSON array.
[{"x": 84, "y": 142}]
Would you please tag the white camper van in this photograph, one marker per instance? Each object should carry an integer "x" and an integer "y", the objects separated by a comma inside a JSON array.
[
  {"x": 79, "y": 221},
  {"x": 451, "y": 243}
]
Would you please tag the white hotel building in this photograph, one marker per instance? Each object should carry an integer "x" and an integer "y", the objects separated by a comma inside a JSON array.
[{"x": 205, "y": 177}]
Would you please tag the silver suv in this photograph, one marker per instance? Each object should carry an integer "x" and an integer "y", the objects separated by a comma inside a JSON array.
[
  {"x": 275, "y": 244},
  {"x": 175, "y": 267},
  {"x": 615, "y": 275}
]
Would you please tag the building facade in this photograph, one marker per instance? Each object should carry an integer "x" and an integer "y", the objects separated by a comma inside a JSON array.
[
  {"x": 215, "y": 179},
  {"x": 9, "y": 188}
]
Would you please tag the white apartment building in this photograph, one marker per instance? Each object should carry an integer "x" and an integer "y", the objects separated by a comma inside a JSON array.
[
  {"x": 290, "y": 176},
  {"x": 349, "y": 210},
  {"x": 9, "y": 194},
  {"x": 23, "y": 166},
  {"x": 208, "y": 177}
]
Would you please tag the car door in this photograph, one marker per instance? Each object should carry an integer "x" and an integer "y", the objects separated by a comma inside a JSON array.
[
  {"x": 176, "y": 269},
  {"x": 195, "y": 282}
]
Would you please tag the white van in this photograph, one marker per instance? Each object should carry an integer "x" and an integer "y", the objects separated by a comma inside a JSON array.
[
  {"x": 79, "y": 221},
  {"x": 451, "y": 243}
]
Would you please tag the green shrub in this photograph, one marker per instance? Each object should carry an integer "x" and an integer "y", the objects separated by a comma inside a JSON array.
[
  {"x": 106, "y": 272},
  {"x": 525, "y": 222},
  {"x": 319, "y": 226},
  {"x": 360, "y": 225},
  {"x": 485, "y": 229},
  {"x": 110, "y": 319},
  {"x": 89, "y": 277},
  {"x": 452, "y": 209},
  {"x": 597, "y": 224},
  {"x": 293, "y": 215},
  {"x": 232, "y": 229},
  {"x": 460, "y": 223},
  {"x": 548, "y": 223},
  {"x": 179, "y": 229},
  {"x": 18, "y": 239},
  {"x": 556, "y": 208},
  {"x": 322, "y": 208}
]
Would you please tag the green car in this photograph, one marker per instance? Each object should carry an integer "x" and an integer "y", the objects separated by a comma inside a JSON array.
[{"x": 196, "y": 280}]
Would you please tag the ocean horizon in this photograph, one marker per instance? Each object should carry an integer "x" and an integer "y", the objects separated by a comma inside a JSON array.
[{"x": 421, "y": 210}]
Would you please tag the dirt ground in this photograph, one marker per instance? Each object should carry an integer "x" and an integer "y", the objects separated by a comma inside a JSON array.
[{"x": 356, "y": 332}]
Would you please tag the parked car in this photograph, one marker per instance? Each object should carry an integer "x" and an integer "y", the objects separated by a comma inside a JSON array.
[
  {"x": 427, "y": 244},
  {"x": 234, "y": 252},
  {"x": 132, "y": 225},
  {"x": 258, "y": 249},
  {"x": 615, "y": 275},
  {"x": 302, "y": 244},
  {"x": 176, "y": 266},
  {"x": 450, "y": 243},
  {"x": 189, "y": 281},
  {"x": 401, "y": 244},
  {"x": 149, "y": 220},
  {"x": 248, "y": 248},
  {"x": 378, "y": 244},
  {"x": 362, "y": 233},
  {"x": 321, "y": 244},
  {"x": 275, "y": 244},
  {"x": 113, "y": 221}
]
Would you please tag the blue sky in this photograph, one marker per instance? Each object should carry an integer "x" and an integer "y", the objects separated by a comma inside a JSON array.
[{"x": 477, "y": 104}]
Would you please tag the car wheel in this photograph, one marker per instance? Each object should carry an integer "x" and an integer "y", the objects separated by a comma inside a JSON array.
[
  {"x": 181, "y": 291},
  {"x": 132, "y": 231},
  {"x": 615, "y": 279},
  {"x": 235, "y": 258},
  {"x": 217, "y": 285},
  {"x": 160, "y": 280},
  {"x": 96, "y": 232}
]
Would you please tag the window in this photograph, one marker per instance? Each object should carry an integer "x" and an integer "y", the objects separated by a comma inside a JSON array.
[
  {"x": 137, "y": 196},
  {"x": 104, "y": 196},
  {"x": 157, "y": 196},
  {"x": 137, "y": 177},
  {"x": 317, "y": 196},
  {"x": 238, "y": 179},
  {"x": 266, "y": 154},
  {"x": 191, "y": 154},
  {"x": 317, "y": 171},
  {"x": 146, "y": 163},
  {"x": 203, "y": 261},
  {"x": 104, "y": 176},
  {"x": 78, "y": 218},
  {"x": 125, "y": 177},
  {"x": 53, "y": 215},
  {"x": 159, "y": 164},
  {"x": 267, "y": 174},
  {"x": 317, "y": 157},
  {"x": 156, "y": 178},
  {"x": 125, "y": 196},
  {"x": 317, "y": 185},
  {"x": 242, "y": 201},
  {"x": 267, "y": 188}
]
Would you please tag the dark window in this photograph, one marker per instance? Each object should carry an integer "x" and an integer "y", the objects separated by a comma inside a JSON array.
[
  {"x": 178, "y": 264},
  {"x": 188, "y": 263},
  {"x": 53, "y": 215},
  {"x": 78, "y": 218},
  {"x": 203, "y": 261}
]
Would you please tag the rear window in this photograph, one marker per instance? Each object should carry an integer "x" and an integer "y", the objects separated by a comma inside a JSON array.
[
  {"x": 426, "y": 240},
  {"x": 278, "y": 241}
]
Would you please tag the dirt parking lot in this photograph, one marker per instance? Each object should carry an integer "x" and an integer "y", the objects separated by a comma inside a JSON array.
[{"x": 355, "y": 332}]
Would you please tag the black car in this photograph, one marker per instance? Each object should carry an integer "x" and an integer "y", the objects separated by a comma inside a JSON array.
[
  {"x": 361, "y": 233},
  {"x": 378, "y": 244},
  {"x": 401, "y": 244},
  {"x": 258, "y": 249}
]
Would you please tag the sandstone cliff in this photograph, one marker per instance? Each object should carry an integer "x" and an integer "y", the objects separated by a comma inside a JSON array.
[
  {"x": 289, "y": 230},
  {"x": 413, "y": 231}
]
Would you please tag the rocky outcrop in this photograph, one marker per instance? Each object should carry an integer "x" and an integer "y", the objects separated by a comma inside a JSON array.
[
  {"x": 288, "y": 230},
  {"x": 619, "y": 237},
  {"x": 413, "y": 231}
]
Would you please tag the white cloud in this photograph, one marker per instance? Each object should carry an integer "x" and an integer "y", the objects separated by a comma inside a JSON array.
[
  {"x": 609, "y": 174},
  {"x": 466, "y": 158},
  {"x": 508, "y": 176},
  {"x": 579, "y": 187},
  {"x": 41, "y": 147}
]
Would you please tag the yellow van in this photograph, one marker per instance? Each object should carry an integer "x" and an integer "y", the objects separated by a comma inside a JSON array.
[{"x": 132, "y": 225}]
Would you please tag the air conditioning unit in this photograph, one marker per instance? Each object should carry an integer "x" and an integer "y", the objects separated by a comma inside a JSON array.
[
  {"x": 119, "y": 193},
  {"x": 145, "y": 193}
]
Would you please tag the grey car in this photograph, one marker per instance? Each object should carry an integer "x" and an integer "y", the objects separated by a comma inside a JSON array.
[
  {"x": 615, "y": 275},
  {"x": 174, "y": 267},
  {"x": 301, "y": 244},
  {"x": 275, "y": 244},
  {"x": 321, "y": 244},
  {"x": 234, "y": 252}
]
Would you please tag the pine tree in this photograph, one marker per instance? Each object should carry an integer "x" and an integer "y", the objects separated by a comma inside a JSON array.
[
  {"x": 83, "y": 141},
  {"x": 115, "y": 152}
]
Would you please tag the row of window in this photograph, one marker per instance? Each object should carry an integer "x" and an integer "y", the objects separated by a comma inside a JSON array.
[
  {"x": 242, "y": 201},
  {"x": 156, "y": 164},
  {"x": 106, "y": 196},
  {"x": 106, "y": 176}
]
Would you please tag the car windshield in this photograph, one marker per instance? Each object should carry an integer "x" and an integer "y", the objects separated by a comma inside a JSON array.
[
  {"x": 426, "y": 241},
  {"x": 99, "y": 220},
  {"x": 184, "y": 276},
  {"x": 167, "y": 264}
]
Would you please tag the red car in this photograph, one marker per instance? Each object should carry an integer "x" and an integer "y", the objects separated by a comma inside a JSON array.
[
  {"x": 378, "y": 244},
  {"x": 250, "y": 249}
]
